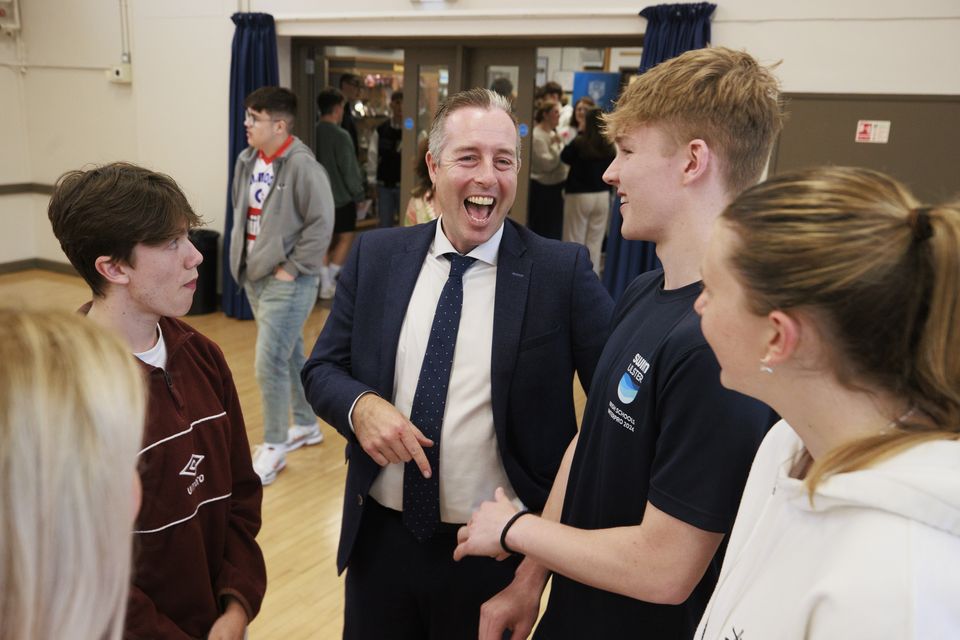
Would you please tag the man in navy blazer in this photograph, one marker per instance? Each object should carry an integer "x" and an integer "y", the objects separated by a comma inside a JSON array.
[{"x": 533, "y": 313}]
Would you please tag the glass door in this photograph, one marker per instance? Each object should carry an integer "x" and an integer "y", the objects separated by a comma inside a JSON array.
[
  {"x": 432, "y": 74},
  {"x": 510, "y": 71},
  {"x": 435, "y": 73}
]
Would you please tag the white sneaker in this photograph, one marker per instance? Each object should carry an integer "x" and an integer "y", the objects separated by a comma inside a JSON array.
[
  {"x": 327, "y": 289},
  {"x": 303, "y": 434},
  {"x": 268, "y": 461}
]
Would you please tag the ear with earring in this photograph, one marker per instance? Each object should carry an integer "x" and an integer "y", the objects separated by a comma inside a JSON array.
[{"x": 765, "y": 367}]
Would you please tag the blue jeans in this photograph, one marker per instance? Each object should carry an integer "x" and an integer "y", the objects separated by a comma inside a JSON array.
[
  {"x": 388, "y": 204},
  {"x": 281, "y": 309}
]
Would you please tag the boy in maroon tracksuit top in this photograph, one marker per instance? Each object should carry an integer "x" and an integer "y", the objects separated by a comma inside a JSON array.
[{"x": 198, "y": 571}]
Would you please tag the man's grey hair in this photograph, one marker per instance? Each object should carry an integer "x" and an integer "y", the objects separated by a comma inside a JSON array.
[{"x": 480, "y": 98}]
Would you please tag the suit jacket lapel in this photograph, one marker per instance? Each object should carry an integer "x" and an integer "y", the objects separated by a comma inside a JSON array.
[
  {"x": 403, "y": 270},
  {"x": 513, "y": 281}
]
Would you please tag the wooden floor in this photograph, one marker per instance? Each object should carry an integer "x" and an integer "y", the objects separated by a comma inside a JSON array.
[{"x": 301, "y": 510}]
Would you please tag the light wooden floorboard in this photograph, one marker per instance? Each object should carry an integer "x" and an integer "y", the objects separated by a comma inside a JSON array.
[{"x": 301, "y": 510}]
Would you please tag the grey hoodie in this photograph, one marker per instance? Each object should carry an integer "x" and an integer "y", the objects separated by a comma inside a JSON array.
[{"x": 297, "y": 216}]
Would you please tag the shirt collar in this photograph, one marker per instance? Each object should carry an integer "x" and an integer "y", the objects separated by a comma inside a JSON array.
[
  {"x": 276, "y": 154},
  {"x": 486, "y": 252}
]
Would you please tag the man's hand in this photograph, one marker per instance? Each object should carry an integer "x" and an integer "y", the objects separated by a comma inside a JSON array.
[
  {"x": 387, "y": 436},
  {"x": 515, "y": 608},
  {"x": 231, "y": 625},
  {"x": 280, "y": 274},
  {"x": 481, "y": 535}
]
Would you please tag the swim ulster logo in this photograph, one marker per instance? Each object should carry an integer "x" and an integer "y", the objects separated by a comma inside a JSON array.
[
  {"x": 631, "y": 379},
  {"x": 627, "y": 389}
]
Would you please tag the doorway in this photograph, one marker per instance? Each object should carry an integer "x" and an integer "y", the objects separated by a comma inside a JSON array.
[
  {"x": 435, "y": 73},
  {"x": 429, "y": 70}
]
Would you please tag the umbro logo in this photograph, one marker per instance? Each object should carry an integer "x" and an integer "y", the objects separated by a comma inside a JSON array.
[{"x": 192, "y": 464}]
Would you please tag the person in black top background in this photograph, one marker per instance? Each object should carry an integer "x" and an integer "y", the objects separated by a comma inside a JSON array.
[
  {"x": 383, "y": 161},
  {"x": 586, "y": 202}
]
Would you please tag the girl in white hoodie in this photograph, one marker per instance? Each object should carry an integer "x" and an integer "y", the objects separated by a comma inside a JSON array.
[{"x": 832, "y": 296}]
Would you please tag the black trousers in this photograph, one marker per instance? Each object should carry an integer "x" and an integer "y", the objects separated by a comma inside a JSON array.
[
  {"x": 545, "y": 209},
  {"x": 401, "y": 589}
]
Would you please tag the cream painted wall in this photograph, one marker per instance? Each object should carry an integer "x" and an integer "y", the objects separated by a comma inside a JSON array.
[
  {"x": 62, "y": 113},
  {"x": 14, "y": 164},
  {"x": 17, "y": 219},
  {"x": 181, "y": 54}
]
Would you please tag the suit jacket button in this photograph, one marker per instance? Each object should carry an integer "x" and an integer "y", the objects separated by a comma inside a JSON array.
[{"x": 359, "y": 499}]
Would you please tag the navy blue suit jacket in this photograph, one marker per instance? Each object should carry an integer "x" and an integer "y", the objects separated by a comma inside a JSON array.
[{"x": 551, "y": 318}]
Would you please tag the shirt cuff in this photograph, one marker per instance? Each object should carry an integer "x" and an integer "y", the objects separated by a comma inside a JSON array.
[{"x": 350, "y": 413}]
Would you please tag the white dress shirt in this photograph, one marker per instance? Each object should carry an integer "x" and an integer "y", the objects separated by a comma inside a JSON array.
[{"x": 470, "y": 463}]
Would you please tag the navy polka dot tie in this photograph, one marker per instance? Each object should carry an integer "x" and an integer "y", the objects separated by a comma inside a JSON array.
[{"x": 421, "y": 496}]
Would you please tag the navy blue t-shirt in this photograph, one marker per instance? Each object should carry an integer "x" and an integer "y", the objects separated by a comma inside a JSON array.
[{"x": 658, "y": 427}]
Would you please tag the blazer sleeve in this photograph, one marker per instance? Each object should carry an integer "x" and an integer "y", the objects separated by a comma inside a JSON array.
[
  {"x": 327, "y": 376},
  {"x": 591, "y": 309}
]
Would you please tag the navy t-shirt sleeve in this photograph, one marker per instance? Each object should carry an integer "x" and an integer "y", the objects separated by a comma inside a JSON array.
[{"x": 708, "y": 438}]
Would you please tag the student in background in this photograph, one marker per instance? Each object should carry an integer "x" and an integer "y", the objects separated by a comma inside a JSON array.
[
  {"x": 277, "y": 180},
  {"x": 586, "y": 203},
  {"x": 547, "y": 174},
  {"x": 504, "y": 87},
  {"x": 553, "y": 91},
  {"x": 833, "y": 296},
  {"x": 420, "y": 206},
  {"x": 71, "y": 422},
  {"x": 346, "y": 181},
  {"x": 572, "y": 128},
  {"x": 383, "y": 161}
]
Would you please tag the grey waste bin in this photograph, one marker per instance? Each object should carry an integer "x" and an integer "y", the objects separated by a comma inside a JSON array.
[{"x": 205, "y": 297}]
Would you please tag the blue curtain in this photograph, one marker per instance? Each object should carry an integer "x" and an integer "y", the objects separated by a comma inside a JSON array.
[
  {"x": 253, "y": 65},
  {"x": 671, "y": 30}
]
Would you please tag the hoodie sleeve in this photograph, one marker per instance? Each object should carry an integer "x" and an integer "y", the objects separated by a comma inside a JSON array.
[
  {"x": 243, "y": 574},
  {"x": 314, "y": 202}
]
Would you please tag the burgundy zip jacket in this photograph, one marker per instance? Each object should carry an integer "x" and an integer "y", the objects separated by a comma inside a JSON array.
[{"x": 195, "y": 535}]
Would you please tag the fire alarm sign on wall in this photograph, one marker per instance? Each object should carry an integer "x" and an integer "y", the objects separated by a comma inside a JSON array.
[{"x": 875, "y": 131}]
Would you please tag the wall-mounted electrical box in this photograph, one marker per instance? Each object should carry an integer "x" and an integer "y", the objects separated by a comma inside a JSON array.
[
  {"x": 9, "y": 15},
  {"x": 120, "y": 74}
]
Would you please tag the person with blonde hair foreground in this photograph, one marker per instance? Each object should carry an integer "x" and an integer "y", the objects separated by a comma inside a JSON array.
[
  {"x": 71, "y": 420},
  {"x": 833, "y": 296}
]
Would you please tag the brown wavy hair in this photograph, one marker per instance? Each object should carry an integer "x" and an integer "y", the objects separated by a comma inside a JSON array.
[{"x": 108, "y": 210}]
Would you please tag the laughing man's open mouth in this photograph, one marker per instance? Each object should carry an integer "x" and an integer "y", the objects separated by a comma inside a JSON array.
[{"x": 479, "y": 208}]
